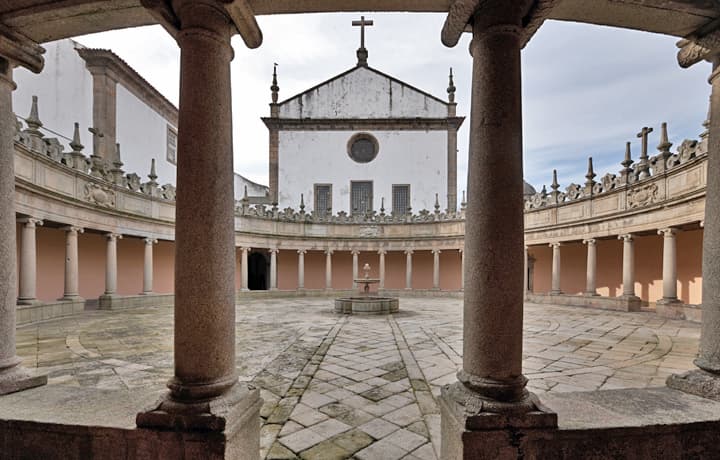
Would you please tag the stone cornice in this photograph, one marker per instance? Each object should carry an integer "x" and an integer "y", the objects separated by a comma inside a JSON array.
[
  {"x": 101, "y": 61},
  {"x": 20, "y": 50},
  {"x": 372, "y": 124}
]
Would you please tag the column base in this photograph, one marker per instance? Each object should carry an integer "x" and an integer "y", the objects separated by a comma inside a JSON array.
[
  {"x": 556, "y": 292},
  {"x": 14, "y": 378},
  {"x": 591, "y": 294},
  {"x": 28, "y": 301},
  {"x": 71, "y": 298},
  {"x": 668, "y": 301},
  {"x": 227, "y": 427},
  {"x": 147, "y": 293},
  {"x": 697, "y": 382},
  {"x": 474, "y": 427}
]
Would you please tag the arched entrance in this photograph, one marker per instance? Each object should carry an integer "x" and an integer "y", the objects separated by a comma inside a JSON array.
[{"x": 258, "y": 271}]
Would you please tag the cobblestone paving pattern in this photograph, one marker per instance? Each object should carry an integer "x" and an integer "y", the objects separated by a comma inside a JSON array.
[{"x": 361, "y": 387}]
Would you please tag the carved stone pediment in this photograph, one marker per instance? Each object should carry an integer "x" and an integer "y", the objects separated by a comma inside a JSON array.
[
  {"x": 642, "y": 196},
  {"x": 99, "y": 195}
]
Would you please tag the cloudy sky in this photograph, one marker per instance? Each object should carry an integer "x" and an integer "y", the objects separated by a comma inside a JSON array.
[{"x": 586, "y": 89}]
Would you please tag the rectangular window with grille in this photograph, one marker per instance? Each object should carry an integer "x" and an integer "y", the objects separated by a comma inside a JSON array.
[
  {"x": 323, "y": 199},
  {"x": 400, "y": 199},
  {"x": 171, "y": 145},
  {"x": 361, "y": 197}
]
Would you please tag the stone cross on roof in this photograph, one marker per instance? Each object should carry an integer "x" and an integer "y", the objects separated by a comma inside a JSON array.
[{"x": 362, "y": 53}]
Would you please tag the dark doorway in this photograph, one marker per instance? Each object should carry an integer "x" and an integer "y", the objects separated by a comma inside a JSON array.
[{"x": 258, "y": 271}]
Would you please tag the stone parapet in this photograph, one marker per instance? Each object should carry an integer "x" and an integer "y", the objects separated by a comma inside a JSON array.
[{"x": 623, "y": 303}]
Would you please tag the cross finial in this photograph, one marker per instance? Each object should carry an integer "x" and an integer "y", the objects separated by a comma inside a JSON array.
[
  {"x": 362, "y": 53},
  {"x": 643, "y": 134}
]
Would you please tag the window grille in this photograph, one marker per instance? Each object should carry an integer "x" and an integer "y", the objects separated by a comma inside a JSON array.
[
  {"x": 361, "y": 197},
  {"x": 323, "y": 199},
  {"x": 400, "y": 199}
]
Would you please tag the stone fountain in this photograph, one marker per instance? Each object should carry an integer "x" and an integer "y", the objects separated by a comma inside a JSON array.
[{"x": 365, "y": 303}]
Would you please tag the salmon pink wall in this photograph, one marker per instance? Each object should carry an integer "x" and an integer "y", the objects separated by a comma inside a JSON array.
[
  {"x": 395, "y": 270},
  {"x": 164, "y": 267},
  {"x": 422, "y": 270},
  {"x": 91, "y": 262},
  {"x": 50, "y": 263},
  {"x": 450, "y": 270},
  {"x": 342, "y": 270},
  {"x": 648, "y": 267},
  {"x": 315, "y": 270},
  {"x": 287, "y": 261}
]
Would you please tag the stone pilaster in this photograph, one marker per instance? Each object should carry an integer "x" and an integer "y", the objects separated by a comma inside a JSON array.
[
  {"x": 556, "y": 272},
  {"x": 591, "y": 271},
  {"x": 328, "y": 269},
  {"x": 28, "y": 262},
  {"x": 490, "y": 392},
  {"x": 273, "y": 268},
  {"x": 705, "y": 381},
  {"x": 111, "y": 264},
  {"x": 381, "y": 253},
  {"x": 408, "y": 269},
  {"x": 14, "y": 50},
  {"x": 148, "y": 266},
  {"x": 436, "y": 269},
  {"x": 301, "y": 269},
  {"x": 669, "y": 266},
  {"x": 205, "y": 395},
  {"x": 72, "y": 291},
  {"x": 244, "y": 269},
  {"x": 355, "y": 267},
  {"x": 628, "y": 268}
]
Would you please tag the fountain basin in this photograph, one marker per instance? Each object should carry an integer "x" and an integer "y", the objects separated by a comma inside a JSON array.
[{"x": 367, "y": 305}]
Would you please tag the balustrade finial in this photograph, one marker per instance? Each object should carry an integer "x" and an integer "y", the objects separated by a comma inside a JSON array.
[
  {"x": 665, "y": 144},
  {"x": 75, "y": 143},
  {"x": 33, "y": 120},
  {"x": 451, "y": 88},
  {"x": 274, "y": 88}
]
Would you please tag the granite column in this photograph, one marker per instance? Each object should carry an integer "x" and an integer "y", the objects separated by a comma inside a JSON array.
[
  {"x": 382, "y": 253},
  {"x": 355, "y": 269},
  {"x": 328, "y": 269},
  {"x": 13, "y": 377},
  {"x": 591, "y": 272},
  {"x": 669, "y": 266},
  {"x": 555, "y": 284},
  {"x": 628, "y": 268},
  {"x": 71, "y": 263},
  {"x": 244, "y": 268},
  {"x": 205, "y": 395},
  {"x": 111, "y": 264},
  {"x": 408, "y": 269},
  {"x": 301, "y": 269},
  {"x": 436, "y": 269},
  {"x": 148, "y": 266},
  {"x": 273, "y": 269},
  {"x": 28, "y": 262},
  {"x": 490, "y": 392}
]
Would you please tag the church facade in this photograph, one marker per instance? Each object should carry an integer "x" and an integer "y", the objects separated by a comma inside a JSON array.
[{"x": 364, "y": 142}]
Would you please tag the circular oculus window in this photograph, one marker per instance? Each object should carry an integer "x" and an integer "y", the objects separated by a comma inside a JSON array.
[{"x": 363, "y": 147}]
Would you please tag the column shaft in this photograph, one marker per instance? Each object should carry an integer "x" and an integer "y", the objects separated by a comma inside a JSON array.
[
  {"x": 328, "y": 269},
  {"x": 111, "y": 264},
  {"x": 13, "y": 377},
  {"x": 355, "y": 268},
  {"x": 408, "y": 269},
  {"x": 204, "y": 257},
  {"x": 244, "y": 269},
  {"x": 591, "y": 272},
  {"x": 555, "y": 285},
  {"x": 436, "y": 269},
  {"x": 709, "y": 358},
  {"x": 148, "y": 266},
  {"x": 669, "y": 265},
  {"x": 382, "y": 253},
  {"x": 71, "y": 263},
  {"x": 273, "y": 269},
  {"x": 628, "y": 265},
  {"x": 301, "y": 269},
  {"x": 28, "y": 262}
]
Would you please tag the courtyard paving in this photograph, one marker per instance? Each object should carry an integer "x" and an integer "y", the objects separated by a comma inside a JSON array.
[{"x": 363, "y": 387}]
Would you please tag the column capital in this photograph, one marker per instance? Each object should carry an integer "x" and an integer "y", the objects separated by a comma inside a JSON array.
[
  {"x": 245, "y": 248},
  {"x": 627, "y": 237},
  {"x": 382, "y": 252},
  {"x": 302, "y": 251},
  {"x": 435, "y": 251},
  {"x": 555, "y": 245},
  {"x": 409, "y": 252},
  {"x": 20, "y": 50},
  {"x": 273, "y": 250},
  {"x": 72, "y": 229},
  {"x": 355, "y": 252},
  {"x": 590, "y": 241},
  {"x": 461, "y": 250},
  {"x": 30, "y": 222},
  {"x": 113, "y": 236},
  {"x": 669, "y": 232},
  {"x": 150, "y": 241},
  {"x": 329, "y": 252}
]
